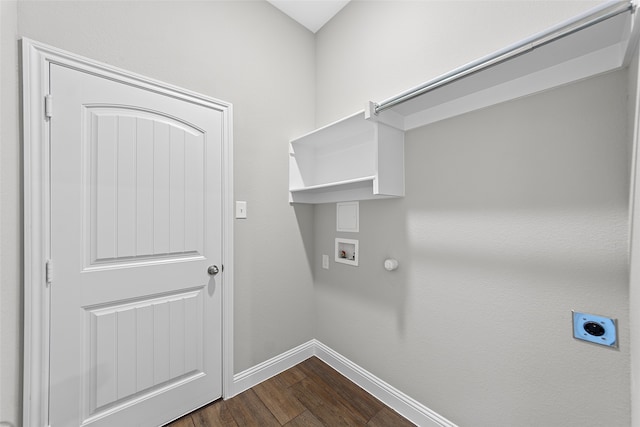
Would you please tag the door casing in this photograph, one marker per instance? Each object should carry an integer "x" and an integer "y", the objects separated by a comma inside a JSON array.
[{"x": 36, "y": 58}]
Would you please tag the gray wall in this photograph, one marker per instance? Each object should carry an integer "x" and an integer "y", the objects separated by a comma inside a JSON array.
[
  {"x": 634, "y": 279},
  {"x": 247, "y": 53},
  {"x": 10, "y": 220},
  {"x": 514, "y": 215}
]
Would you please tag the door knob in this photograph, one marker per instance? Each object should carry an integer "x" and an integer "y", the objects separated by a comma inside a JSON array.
[{"x": 213, "y": 270}]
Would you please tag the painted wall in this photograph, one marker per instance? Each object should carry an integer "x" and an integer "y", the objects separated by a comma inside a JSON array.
[
  {"x": 514, "y": 215},
  {"x": 247, "y": 53},
  {"x": 10, "y": 222},
  {"x": 634, "y": 279}
]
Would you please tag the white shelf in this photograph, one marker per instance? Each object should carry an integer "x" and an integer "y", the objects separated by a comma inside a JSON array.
[
  {"x": 357, "y": 189},
  {"x": 350, "y": 183},
  {"x": 597, "y": 49},
  {"x": 351, "y": 159},
  {"x": 362, "y": 156}
]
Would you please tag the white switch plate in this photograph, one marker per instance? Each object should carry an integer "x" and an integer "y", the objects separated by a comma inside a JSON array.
[
  {"x": 241, "y": 209},
  {"x": 325, "y": 262}
]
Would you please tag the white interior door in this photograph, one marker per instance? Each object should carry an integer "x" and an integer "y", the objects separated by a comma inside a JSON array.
[{"x": 135, "y": 318}]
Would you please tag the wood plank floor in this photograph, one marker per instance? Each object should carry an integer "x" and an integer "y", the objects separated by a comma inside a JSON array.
[{"x": 309, "y": 394}]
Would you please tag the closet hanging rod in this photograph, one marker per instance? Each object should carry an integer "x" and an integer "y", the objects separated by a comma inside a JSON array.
[{"x": 579, "y": 23}]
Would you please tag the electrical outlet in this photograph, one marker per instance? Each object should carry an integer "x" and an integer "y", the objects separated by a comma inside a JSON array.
[
  {"x": 325, "y": 262},
  {"x": 596, "y": 329}
]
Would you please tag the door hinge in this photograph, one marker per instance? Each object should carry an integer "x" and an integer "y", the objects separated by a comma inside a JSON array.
[
  {"x": 49, "y": 272},
  {"x": 48, "y": 106}
]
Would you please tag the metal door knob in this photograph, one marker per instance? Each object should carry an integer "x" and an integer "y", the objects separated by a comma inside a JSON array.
[{"x": 213, "y": 270}]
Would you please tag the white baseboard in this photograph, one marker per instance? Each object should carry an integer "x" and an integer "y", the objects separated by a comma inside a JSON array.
[
  {"x": 270, "y": 368},
  {"x": 409, "y": 408}
]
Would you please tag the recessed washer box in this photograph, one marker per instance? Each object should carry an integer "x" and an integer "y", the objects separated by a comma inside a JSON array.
[
  {"x": 595, "y": 329},
  {"x": 347, "y": 251}
]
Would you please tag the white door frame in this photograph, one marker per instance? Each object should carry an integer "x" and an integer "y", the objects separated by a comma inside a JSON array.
[{"x": 36, "y": 59}]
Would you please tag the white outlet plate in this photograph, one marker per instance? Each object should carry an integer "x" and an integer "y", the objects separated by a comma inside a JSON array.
[{"x": 325, "y": 262}]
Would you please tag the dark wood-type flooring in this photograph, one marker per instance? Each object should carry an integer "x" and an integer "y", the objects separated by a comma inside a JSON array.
[{"x": 309, "y": 394}]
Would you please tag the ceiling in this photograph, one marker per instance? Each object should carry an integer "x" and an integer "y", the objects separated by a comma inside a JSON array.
[{"x": 313, "y": 14}]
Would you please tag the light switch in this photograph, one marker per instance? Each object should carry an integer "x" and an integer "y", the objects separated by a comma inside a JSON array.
[{"x": 241, "y": 209}]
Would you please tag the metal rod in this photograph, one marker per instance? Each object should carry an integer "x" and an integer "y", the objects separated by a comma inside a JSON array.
[{"x": 511, "y": 52}]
